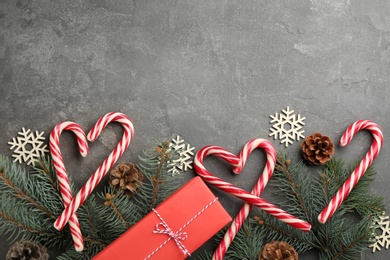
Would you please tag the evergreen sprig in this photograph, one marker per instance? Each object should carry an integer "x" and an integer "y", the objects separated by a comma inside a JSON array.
[
  {"x": 250, "y": 238},
  {"x": 28, "y": 206},
  {"x": 31, "y": 202},
  {"x": 155, "y": 165},
  {"x": 342, "y": 237}
]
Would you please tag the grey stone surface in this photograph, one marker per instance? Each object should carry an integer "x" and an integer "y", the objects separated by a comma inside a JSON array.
[{"x": 211, "y": 71}]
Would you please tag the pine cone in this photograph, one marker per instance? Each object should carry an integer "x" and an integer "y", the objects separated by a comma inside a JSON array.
[
  {"x": 26, "y": 250},
  {"x": 127, "y": 177},
  {"x": 317, "y": 149},
  {"x": 278, "y": 250}
]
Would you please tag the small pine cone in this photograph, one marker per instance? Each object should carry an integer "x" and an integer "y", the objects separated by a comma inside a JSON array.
[
  {"x": 278, "y": 250},
  {"x": 26, "y": 250},
  {"x": 127, "y": 177},
  {"x": 317, "y": 149}
]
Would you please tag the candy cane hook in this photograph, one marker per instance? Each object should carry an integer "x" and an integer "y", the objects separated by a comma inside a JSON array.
[
  {"x": 348, "y": 185},
  {"x": 62, "y": 177},
  {"x": 96, "y": 177},
  {"x": 257, "y": 190}
]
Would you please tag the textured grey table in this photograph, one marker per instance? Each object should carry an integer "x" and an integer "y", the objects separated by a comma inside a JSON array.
[{"x": 211, "y": 71}]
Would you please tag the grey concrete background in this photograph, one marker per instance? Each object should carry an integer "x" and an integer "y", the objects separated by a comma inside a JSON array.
[{"x": 211, "y": 71}]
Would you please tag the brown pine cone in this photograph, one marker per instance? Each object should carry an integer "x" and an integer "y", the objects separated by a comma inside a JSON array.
[
  {"x": 317, "y": 149},
  {"x": 127, "y": 177},
  {"x": 26, "y": 250},
  {"x": 278, "y": 250}
]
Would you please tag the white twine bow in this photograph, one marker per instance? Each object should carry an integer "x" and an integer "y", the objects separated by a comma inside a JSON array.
[{"x": 177, "y": 236}]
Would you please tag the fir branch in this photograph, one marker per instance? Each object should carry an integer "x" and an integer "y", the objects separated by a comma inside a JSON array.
[
  {"x": 18, "y": 193},
  {"x": 325, "y": 180},
  {"x": 368, "y": 204},
  {"x": 205, "y": 255},
  {"x": 249, "y": 243},
  {"x": 276, "y": 230},
  {"x": 43, "y": 186},
  {"x": 110, "y": 198},
  {"x": 157, "y": 178},
  {"x": 26, "y": 206},
  {"x": 20, "y": 223},
  {"x": 119, "y": 215},
  {"x": 356, "y": 237},
  {"x": 89, "y": 251},
  {"x": 119, "y": 211},
  {"x": 92, "y": 225},
  {"x": 328, "y": 234},
  {"x": 45, "y": 166},
  {"x": 94, "y": 242},
  {"x": 159, "y": 182},
  {"x": 294, "y": 185},
  {"x": 349, "y": 247}
]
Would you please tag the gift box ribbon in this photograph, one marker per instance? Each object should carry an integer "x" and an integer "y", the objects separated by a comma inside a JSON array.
[{"x": 177, "y": 236}]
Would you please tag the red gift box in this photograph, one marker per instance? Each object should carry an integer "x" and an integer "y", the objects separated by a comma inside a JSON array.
[{"x": 177, "y": 227}]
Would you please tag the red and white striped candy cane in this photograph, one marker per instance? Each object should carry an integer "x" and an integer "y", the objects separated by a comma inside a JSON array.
[
  {"x": 257, "y": 189},
  {"x": 62, "y": 176},
  {"x": 104, "y": 167},
  {"x": 359, "y": 171},
  {"x": 238, "y": 163},
  {"x": 243, "y": 194}
]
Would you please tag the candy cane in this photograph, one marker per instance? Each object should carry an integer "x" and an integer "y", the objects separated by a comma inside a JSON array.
[
  {"x": 257, "y": 190},
  {"x": 63, "y": 180},
  {"x": 238, "y": 192},
  {"x": 348, "y": 185},
  {"x": 104, "y": 167}
]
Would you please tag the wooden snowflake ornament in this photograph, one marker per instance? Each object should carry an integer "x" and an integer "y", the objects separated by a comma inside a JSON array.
[
  {"x": 28, "y": 147},
  {"x": 382, "y": 239},
  {"x": 287, "y": 126},
  {"x": 186, "y": 153}
]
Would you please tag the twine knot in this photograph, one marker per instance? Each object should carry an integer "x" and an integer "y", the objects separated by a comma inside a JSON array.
[
  {"x": 163, "y": 228},
  {"x": 176, "y": 236}
]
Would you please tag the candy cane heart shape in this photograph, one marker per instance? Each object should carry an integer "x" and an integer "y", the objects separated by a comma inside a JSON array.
[
  {"x": 96, "y": 177},
  {"x": 238, "y": 163},
  {"x": 359, "y": 171},
  {"x": 62, "y": 176}
]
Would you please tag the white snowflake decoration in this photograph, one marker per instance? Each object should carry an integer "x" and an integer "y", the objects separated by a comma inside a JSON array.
[
  {"x": 184, "y": 162},
  {"x": 287, "y": 126},
  {"x": 382, "y": 224},
  {"x": 28, "y": 147}
]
